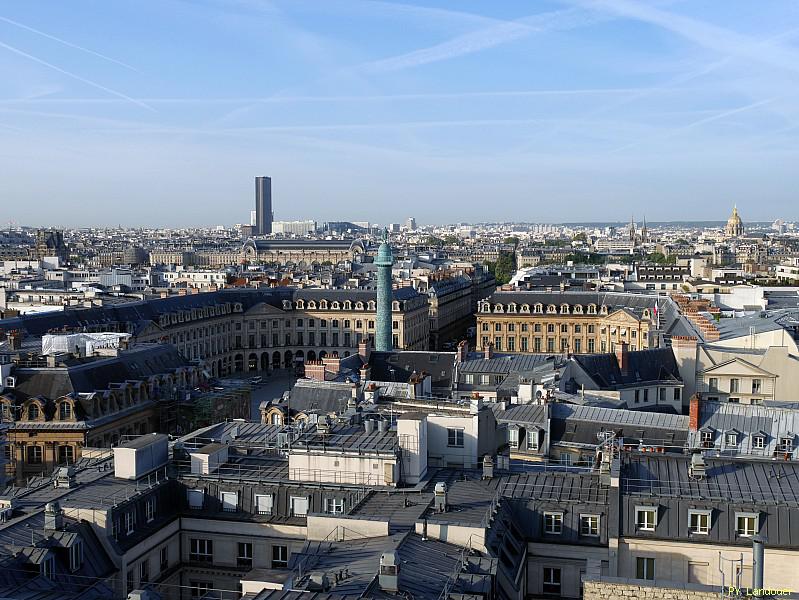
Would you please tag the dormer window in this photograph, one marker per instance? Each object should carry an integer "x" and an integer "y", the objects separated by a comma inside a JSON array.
[
  {"x": 539, "y": 308},
  {"x": 731, "y": 439},
  {"x": 76, "y": 556},
  {"x": 311, "y": 304},
  {"x": 371, "y": 305},
  {"x": 65, "y": 411},
  {"x": 564, "y": 309},
  {"x": 347, "y": 305},
  {"x": 47, "y": 567},
  {"x": 707, "y": 438},
  {"x": 511, "y": 308},
  {"x": 758, "y": 442},
  {"x": 525, "y": 308},
  {"x": 359, "y": 306},
  {"x": 603, "y": 310},
  {"x": 33, "y": 412},
  {"x": 786, "y": 444},
  {"x": 578, "y": 309},
  {"x": 592, "y": 309},
  {"x": 498, "y": 308},
  {"x": 335, "y": 305},
  {"x": 395, "y": 306},
  {"x": 300, "y": 304},
  {"x": 551, "y": 309},
  {"x": 323, "y": 304}
]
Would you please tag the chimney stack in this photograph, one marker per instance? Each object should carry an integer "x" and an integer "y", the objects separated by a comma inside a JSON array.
[
  {"x": 365, "y": 349},
  {"x": 488, "y": 351},
  {"x": 758, "y": 562},
  {"x": 623, "y": 357},
  {"x": 462, "y": 352},
  {"x": 53, "y": 518},
  {"x": 693, "y": 413}
]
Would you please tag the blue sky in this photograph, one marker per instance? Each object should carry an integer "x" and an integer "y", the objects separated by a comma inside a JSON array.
[{"x": 162, "y": 112}]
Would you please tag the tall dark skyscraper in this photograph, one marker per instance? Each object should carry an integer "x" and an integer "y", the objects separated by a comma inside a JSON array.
[{"x": 263, "y": 205}]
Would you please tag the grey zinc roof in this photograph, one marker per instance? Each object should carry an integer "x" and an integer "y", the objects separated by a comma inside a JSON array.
[
  {"x": 654, "y": 364},
  {"x": 731, "y": 480},
  {"x": 522, "y": 413},
  {"x": 749, "y": 421},
  {"x": 507, "y": 363},
  {"x": 323, "y": 396},
  {"x": 616, "y": 416},
  {"x": 348, "y": 437}
]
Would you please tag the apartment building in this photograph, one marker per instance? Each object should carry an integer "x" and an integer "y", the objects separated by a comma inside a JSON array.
[
  {"x": 568, "y": 322},
  {"x": 250, "y": 329}
]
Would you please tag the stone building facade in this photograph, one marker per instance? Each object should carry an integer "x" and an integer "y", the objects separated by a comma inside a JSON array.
[{"x": 568, "y": 322}]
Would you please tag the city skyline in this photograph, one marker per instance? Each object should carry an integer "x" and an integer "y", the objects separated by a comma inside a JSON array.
[{"x": 576, "y": 109}]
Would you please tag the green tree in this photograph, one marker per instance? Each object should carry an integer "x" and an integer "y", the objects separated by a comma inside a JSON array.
[
  {"x": 580, "y": 237},
  {"x": 504, "y": 268},
  {"x": 511, "y": 240},
  {"x": 433, "y": 241},
  {"x": 451, "y": 240}
]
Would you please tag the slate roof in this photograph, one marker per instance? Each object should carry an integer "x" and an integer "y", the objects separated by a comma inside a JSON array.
[
  {"x": 537, "y": 414},
  {"x": 575, "y": 424},
  {"x": 749, "y": 421},
  {"x": 440, "y": 366},
  {"x": 324, "y": 397},
  {"x": 425, "y": 566},
  {"x": 508, "y": 363},
  {"x": 88, "y": 375},
  {"x": 655, "y": 364},
  {"x": 144, "y": 311},
  {"x": 726, "y": 480}
]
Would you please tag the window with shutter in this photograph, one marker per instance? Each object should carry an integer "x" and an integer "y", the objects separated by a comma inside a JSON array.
[{"x": 263, "y": 504}]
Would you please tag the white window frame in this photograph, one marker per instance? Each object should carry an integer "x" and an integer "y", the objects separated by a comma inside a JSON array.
[
  {"x": 513, "y": 437},
  {"x": 453, "y": 433},
  {"x": 201, "y": 547},
  {"x": 532, "y": 439},
  {"x": 745, "y": 532},
  {"x": 646, "y": 563},
  {"x": 548, "y": 579},
  {"x": 758, "y": 442},
  {"x": 149, "y": 509},
  {"x": 334, "y": 506},
  {"x": 731, "y": 439},
  {"x": 643, "y": 524},
  {"x": 283, "y": 559},
  {"x": 130, "y": 522},
  {"x": 268, "y": 504},
  {"x": 553, "y": 522},
  {"x": 699, "y": 513},
  {"x": 589, "y": 531}
]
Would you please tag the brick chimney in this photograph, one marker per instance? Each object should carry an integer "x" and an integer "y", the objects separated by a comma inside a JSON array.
[
  {"x": 623, "y": 357},
  {"x": 315, "y": 369},
  {"x": 488, "y": 351},
  {"x": 365, "y": 349},
  {"x": 14, "y": 339},
  {"x": 693, "y": 413},
  {"x": 366, "y": 373},
  {"x": 332, "y": 364},
  {"x": 462, "y": 351}
]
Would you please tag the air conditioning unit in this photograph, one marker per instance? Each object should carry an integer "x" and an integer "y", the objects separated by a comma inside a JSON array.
[{"x": 10, "y": 382}]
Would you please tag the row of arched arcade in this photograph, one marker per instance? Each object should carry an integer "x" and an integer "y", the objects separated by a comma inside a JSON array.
[{"x": 265, "y": 361}]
